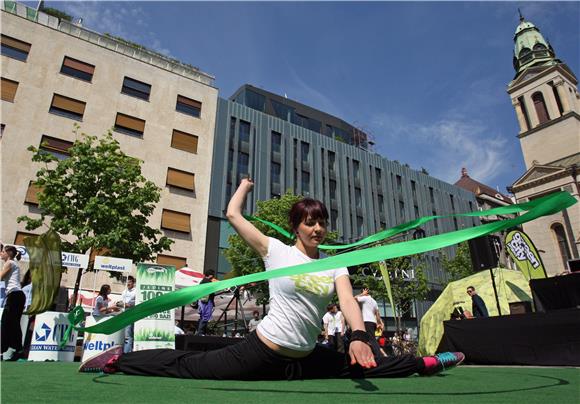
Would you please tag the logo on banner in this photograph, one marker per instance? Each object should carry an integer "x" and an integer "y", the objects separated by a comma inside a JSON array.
[
  {"x": 52, "y": 337},
  {"x": 46, "y": 330},
  {"x": 113, "y": 264},
  {"x": 525, "y": 255}
]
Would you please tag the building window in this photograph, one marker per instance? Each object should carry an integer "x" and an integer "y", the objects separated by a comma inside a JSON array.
[
  {"x": 451, "y": 199},
  {"x": 435, "y": 223},
  {"x": 562, "y": 241},
  {"x": 356, "y": 169},
  {"x": 76, "y": 68},
  {"x": 180, "y": 179},
  {"x": 276, "y": 142},
  {"x": 57, "y": 147},
  {"x": 525, "y": 112},
  {"x": 432, "y": 196},
  {"x": 177, "y": 262},
  {"x": 9, "y": 88},
  {"x": 15, "y": 48},
  {"x": 21, "y": 235},
  {"x": 244, "y": 135},
  {"x": 188, "y": 106},
  {"x": 455, "y": 224},
  {"x": 416, "y": 210},
  {"x": 359, "y": 225},
  {"x": 305, "y": 183},
  {"x": 331, "y": 161},
  {"x": 129, "y": 125},
  {"x": 304, "y": 152},
  {"x": 178, "y": 221},
  {"x": 399, "y": 183},
  {"x": 32, "y": 194},
  {"x": 67, "y": 107},
  {"x": 184, "y": 141},
  {"x": 540, "y": 105},
  {"x": 243, "y": 166},
  {"x": 557, "y": 97},
  {"x": 358, "y": 198},
  {"x": 414, "y": 190},
  {"x": 275, "y": 174},
  {"x": 334, "y": 219},
  {"x": 136, "y": 88},
  {"x": 332, "y": 187},
  {"x": 402, "y": 210}
]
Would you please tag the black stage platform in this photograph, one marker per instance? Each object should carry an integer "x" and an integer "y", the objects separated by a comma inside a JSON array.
[{"x": 543, "y": 339}]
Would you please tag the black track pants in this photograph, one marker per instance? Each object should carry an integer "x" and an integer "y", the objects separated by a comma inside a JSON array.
[
  {"x": 11, "y": 333},
  {"x": 251, "y": 359}
]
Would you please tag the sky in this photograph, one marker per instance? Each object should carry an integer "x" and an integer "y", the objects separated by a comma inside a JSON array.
[{"x": 427, "y": 80}]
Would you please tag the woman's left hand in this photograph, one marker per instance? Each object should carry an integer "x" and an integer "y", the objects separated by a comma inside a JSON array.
[{"x": 362, "y": 354}]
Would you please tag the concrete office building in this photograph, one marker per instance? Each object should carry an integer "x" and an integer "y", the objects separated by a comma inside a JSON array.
[
  {"x": 287, "y": 145},
  {"x": 545, "y": 96},
  {"x": 56, "y": 74}
]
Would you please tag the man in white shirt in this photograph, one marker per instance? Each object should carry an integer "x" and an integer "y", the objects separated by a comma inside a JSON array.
[
  {"x": 371, "y": 318},
  {"x": 128, "y": 301},
  {"x": 253, "y": 323},
  {"x": 334, "y": 327}
]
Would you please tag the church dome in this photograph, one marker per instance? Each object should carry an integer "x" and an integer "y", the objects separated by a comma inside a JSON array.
[{"x": 530, "y": 47}]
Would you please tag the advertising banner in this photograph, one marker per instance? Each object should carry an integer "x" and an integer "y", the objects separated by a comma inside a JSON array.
[
  {"x": 525, "y": 255},
  {"x": 94, "y": 344},
  {"x": 49, "y": 330},
  {"x": 156, "y": 330},
  {"x": 113, "y": 264},
  {"x": 72, "y": 260}
]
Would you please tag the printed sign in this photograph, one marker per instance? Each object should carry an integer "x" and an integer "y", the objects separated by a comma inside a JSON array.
[
  {"x": 113, "y": 264},
  {"x": 72, "y": 260},
  {"x": 525, "y": 255},
  {"x": 158, "y": 329},
  {"x": 23, "y": 253},
  {"x": 49, "y": 330}
]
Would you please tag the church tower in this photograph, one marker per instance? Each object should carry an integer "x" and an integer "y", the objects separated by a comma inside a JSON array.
[
  {"x": 547, "y": 105},
  {"x": 545, "y": 98}
]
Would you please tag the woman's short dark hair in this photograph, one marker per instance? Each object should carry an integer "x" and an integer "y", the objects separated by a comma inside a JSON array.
[
  {"x": 306, "y": 208},
  {"x": 105, "y": 289},
  {"x": 13, "y": 252}
]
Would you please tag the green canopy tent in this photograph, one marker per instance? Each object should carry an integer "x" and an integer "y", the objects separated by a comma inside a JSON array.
[{"x": 511, "y": 287}]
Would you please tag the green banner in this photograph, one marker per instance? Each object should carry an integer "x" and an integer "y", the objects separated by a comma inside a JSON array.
[
  {"x": 525, "y": 255},
  {"x": 545, "y": 206},
  {"x": 156, "y": 330}
]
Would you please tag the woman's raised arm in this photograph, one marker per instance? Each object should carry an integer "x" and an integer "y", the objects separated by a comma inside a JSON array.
[{"x": 247, "y": 231}]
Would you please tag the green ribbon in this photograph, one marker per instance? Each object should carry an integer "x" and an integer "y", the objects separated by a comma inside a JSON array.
[
  {"x": 75, "y": 316},
  {"x": 413, "y": 224},
  {"x": 547, "y": 205}
]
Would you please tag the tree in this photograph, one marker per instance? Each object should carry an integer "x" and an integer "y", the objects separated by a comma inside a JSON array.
[
  {"x": 246, "y": 261},
  {"x": 459, "y": 266},
  {"x": 98, "y": 196},
  {"x": 405, "y": 289}
]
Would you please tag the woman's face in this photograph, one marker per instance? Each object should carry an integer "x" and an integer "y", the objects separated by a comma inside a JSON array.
[
  {"x": 312, "y": 232},
  {"x": 4, "y": 255}
]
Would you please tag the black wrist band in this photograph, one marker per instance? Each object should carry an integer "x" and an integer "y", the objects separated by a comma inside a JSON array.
[{"x": 360, "y": 335}]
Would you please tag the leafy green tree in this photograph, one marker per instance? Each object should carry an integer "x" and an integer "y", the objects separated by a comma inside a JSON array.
[
  {"x": 404, "y": 290},
  {"x": 459, "y": 266},
  {"x": 98, "y": 196},
  {"x": 246, "y": 261}
]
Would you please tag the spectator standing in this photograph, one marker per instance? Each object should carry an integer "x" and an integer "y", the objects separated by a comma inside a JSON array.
[
  {"x": 205, "y": 305},
  {"x": 11, "y": 334},
  {"x": 102, "y": 302},
  {"x": 479, "y": 309},
  {"x": 371, "y": 318},
  {"x": 128, "y": 301},
  {"x": 253, "y": 323},
  {"x": 334, "y": 326}
]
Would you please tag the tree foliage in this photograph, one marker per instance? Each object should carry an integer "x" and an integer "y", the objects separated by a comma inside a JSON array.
[
  {"x": 246, "y": 261},
  {"x": 459, "y": 266},
  {"x": 98, "y": 196}
]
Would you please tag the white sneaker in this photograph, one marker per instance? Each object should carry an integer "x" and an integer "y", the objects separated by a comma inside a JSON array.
[{"x": 8, "y": 354}]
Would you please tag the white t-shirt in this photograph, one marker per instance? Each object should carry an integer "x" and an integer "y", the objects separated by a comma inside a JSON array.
[
  {"x": 333, "y": 322},
  {"x": 297, "y": 302},
  {"x": 13, "y": 282},
  {"x": 253, "y": 324},
  {"x": 128, "y": 297},
  {"x": 368, "y": 308}
]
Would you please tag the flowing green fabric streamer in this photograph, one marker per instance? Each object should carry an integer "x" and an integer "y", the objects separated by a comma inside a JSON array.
[
  {"x": 403, "y": 227},
  {"x": 547, "y": 205}
]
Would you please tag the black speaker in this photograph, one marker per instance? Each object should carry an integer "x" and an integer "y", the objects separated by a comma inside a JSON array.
[
  {"x": 483, "y": 253},
  {"x": 520, "y": 307}
]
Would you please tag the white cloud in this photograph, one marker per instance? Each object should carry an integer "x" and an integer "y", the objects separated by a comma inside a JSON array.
[
  {"x": 119, "y": 19},
  {"x": 445, "y": 146},
  {"x": 307, "y": 94}
]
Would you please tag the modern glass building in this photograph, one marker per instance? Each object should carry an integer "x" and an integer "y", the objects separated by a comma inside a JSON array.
[{"x": 284, "y": 145}]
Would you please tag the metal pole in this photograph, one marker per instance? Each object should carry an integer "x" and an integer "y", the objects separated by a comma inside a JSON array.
[{"x": 495, "y": 290}]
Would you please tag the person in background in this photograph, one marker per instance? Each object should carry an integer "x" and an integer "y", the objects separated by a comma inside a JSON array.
[
  {"x": 206, "y": 305},
  {"x": 371, "y": 317},
  {"x": 253, "y": 323},
  {"x": 11, "y": 334},
  {"x": 479, "y": 309},
  {"x": 102, "y": 303},
  {"x": 27, "y": 289},
  {"x": 127, "y": 302},
  {"x": 334, "y": 326}
]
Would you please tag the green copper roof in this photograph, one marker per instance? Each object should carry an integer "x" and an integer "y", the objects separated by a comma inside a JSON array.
[{"x": 530, "y": 47}]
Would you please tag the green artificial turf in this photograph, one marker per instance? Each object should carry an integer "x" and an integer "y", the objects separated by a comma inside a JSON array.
[{"x": 54, "y": 382}]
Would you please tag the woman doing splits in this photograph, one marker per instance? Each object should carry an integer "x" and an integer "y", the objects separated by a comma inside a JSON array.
[{"x": 284, "y": 343}]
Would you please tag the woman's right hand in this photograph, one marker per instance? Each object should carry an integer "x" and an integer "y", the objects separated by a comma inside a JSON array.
[{"x": 246, "y": 184}]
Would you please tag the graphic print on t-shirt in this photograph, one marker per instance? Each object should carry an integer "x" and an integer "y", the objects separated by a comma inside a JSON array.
[{"x": 317, "y": 285}]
